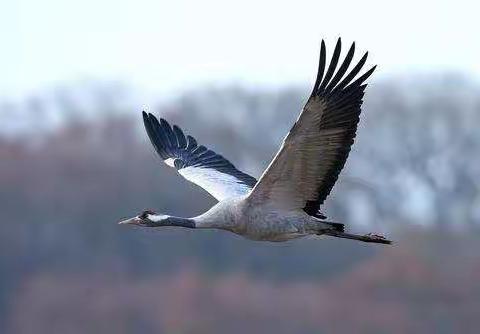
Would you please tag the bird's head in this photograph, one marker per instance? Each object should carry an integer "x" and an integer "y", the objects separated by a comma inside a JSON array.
[{"x": 146, "y": 218}]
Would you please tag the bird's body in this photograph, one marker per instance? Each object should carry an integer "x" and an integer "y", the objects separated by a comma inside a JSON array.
[
  {"x": 285, "y": 202},
  {"x": 264, "y": 222}
]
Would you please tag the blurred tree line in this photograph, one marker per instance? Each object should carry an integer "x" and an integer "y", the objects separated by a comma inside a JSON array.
[{"x": 75, "y": 162}]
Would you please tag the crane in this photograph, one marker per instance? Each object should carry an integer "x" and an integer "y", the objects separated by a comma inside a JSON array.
[{"x": 285, "y": 202}]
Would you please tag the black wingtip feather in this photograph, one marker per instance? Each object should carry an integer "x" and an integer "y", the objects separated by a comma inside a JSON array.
[
  {"x": 153, "y": 135},
  {"x": 181, "y": 140},
  {"x": 333, "y": 65},
  {"x": 191, "y": 143},
  {"x": 168, "y": 133},
  {"x": 321, "y": 66},
  {"x": 363, "y": 77}
]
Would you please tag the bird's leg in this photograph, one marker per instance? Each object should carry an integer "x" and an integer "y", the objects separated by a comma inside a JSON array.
[{"x": 365, "y": 238}]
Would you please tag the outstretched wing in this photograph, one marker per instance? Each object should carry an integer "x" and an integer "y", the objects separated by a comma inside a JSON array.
[
  {"x": 197, "y": 164},
  {"x": 314, "y": 152}
]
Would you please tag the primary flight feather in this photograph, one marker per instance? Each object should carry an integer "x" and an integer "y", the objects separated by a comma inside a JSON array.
[{"x": 285, "y": 202}]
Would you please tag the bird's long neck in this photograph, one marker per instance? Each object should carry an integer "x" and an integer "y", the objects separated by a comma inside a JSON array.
[
  {"x": 218, "y": 217},
  {"x": 164, "y": 220}
]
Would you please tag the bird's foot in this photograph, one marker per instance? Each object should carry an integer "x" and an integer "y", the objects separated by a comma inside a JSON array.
[{"x": 375, "y": 237}]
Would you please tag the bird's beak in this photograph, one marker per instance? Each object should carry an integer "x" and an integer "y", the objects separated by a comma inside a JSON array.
[{"x": 131, "y": 221}]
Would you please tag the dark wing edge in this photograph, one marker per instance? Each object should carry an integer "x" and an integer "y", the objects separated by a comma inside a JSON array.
[
  {"x": 181, "y": 151},
  {"x": 343, "y": 98}
]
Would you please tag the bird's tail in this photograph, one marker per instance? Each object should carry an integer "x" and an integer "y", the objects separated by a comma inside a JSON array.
[
  {"x": 365, "y": 238},
  {"x": 337, "y": 227}
]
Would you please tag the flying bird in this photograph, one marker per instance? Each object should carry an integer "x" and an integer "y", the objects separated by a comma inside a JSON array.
[{"x": 285, "y": 202}]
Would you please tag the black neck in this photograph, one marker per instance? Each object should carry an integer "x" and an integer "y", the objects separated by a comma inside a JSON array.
[{"x": 175, "y": 221}]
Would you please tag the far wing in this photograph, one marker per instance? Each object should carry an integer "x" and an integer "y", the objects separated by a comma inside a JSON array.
[
  {"x": 197, "y": 164},
  {"x": 315, "y": 150}
]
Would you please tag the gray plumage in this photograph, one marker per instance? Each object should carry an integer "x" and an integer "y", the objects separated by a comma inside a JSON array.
[{"x": 285, "y": 202}]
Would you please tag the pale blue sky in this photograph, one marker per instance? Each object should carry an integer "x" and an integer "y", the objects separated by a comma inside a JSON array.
[{"x": 164, "y": 46}]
